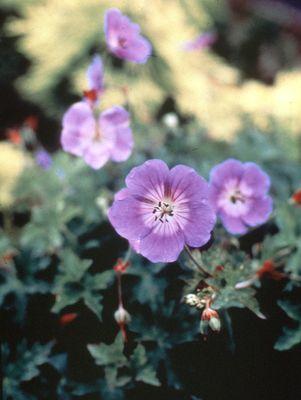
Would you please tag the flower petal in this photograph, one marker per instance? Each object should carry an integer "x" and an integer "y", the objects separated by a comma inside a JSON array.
[
  {"x": 126, "y": 216},
  {"x": 233, "y": 225},
  {"x": 163, "y": 244},
  {"x": 254, "y": 181},
  {"x": 115, "y": 122},
  {"x": 186, "y": 184},
  {"x": 96, "y": 154},
  {"x": 148, "y": 180},
  {"x": 228, "y": 170},
  {"x": 78, "y": 128},
  {"x": 95, "y": 74},
  {"x": 260, "y": 209},
  {"x": 198, "y": 228}
]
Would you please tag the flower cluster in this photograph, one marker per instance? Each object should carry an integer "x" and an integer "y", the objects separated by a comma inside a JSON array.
[
  {"x": 96, "y": 137},
  {"x": 161, "y": 210}
]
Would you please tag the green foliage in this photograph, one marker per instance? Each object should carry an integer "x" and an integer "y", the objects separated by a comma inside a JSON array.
[
  {"x": 24, "y": 367},
  {"x": 73, "y": 283},
  {"x": 290, "y": 336}
]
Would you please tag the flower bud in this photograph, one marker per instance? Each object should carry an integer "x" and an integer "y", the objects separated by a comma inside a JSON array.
[
  {"x": 210, "y": 319},
  {"x": 122, "y": 317},
  {"x": 215, "y": 324},
  {"x": 191, "y": 299},
  {"x": 121, "y": 266},
  {"x": 296, "y": 198}
]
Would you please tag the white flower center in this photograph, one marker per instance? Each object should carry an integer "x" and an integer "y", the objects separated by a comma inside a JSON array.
[{"x": 163, "y": 210}]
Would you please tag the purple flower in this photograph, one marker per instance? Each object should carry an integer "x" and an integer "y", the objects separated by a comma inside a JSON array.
[
  {"x": 95, "y": 74},
  {"x": 201, "y": 42},
  {"x": 43, "y": 159},
  {"x": 239, "y": 193},
  {"x": 123, "y": 38},
  {"x": 161, "y": 210},
  {"x": 97, "y": 139}
]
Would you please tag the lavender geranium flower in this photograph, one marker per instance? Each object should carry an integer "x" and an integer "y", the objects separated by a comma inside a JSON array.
[
  {"x": 239, "y": 193},
  {"x": 43, "y": 159},
  {"x": 97, "y": 139},
  {"x": 123, "y": 38},
  {"x": 161, "y": 210},
  {"x": 95, "y": 74},
  {"x": 201, "y": 42}
]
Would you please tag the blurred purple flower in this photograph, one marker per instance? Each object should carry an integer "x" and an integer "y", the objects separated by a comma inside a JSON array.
[
  {"x": 95, "y": 74},
  {"x": 161, "y": 210},
  {"x": 239, "y": 193},
  {"x": 123, "y": 37},
  {"x": 97, "y": 139},
  {"x": 201, "y": 42},
  {"x": 43, "y": 159}
]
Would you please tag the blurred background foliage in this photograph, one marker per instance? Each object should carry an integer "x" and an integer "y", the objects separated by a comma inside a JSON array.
[
  {"x": 240, "y": 98},
  {"x": 251, "y": 69}
]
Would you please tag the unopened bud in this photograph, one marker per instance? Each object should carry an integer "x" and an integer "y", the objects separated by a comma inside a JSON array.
[
  {"x": 121, "y": 266},
  {"x": 191, "y": 299},
  {"x": 122, "y": 317},
  {"x": 210, "y": 319},
  {"x": 296, "y": 198},
  {"x": 215, "y": 324}
]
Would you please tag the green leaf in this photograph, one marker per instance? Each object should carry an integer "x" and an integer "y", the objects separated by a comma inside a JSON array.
[
  {"x": 290, "y": 336},
  {"x": 109, "y": 355}
]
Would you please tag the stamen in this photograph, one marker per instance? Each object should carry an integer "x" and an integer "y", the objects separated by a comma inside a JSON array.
[{"x": 162, "y": 211}]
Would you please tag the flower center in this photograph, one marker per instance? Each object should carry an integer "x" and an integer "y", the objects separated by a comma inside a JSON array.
[
  {"x": 162, "y": 211},
  {"x": 97, "y": 134},
  {"x": 122, "y": 42},
  {"x": 236, "y": 197}
]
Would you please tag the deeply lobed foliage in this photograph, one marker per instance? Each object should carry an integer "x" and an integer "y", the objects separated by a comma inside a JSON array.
[{"x": 63, "y": 253}]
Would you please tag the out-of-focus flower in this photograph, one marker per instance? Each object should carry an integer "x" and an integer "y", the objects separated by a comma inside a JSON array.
[
  {"x": 66, "y": 319},
  {"x": 13, "y": 161},
  {"x": 161, "y": 210},
  {"x": 14, "y": 135},
  {"x": 296, "y": 198},
  {"x": 43, "y": 159},
  {"x": 97, "y": 140},
  {"x": 171, "y": 120},
  {"x": 239, "y": 193},
  {"x": 32, "y": 122},
  {"x": 201, "y": 42},
  {"x": 123, "y": 38},
  {"x": 95, "y": 75}
]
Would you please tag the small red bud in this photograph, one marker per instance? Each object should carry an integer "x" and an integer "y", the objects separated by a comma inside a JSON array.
[
  {"x": 66, "y": 319},
  {"x": 269, "y": 268},
  {"x": 14, "y": 136},
  {"x": 121, "y": 266},
  {"x": 296, "y": 197},
  {"x": 31, "y": 122},
  {"x": 91, "y": 95}
]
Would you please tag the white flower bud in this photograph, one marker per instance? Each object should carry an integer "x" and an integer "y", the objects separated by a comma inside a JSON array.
[
  {"x": 171, "y": 120},
  {"x": 191, "y": 299},
  {"x": 122, "y": 316},
  {"x": 215, "y": 324}
]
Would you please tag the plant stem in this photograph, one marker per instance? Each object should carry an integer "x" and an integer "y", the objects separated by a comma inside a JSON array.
[{"x": 201, "y": 269}]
